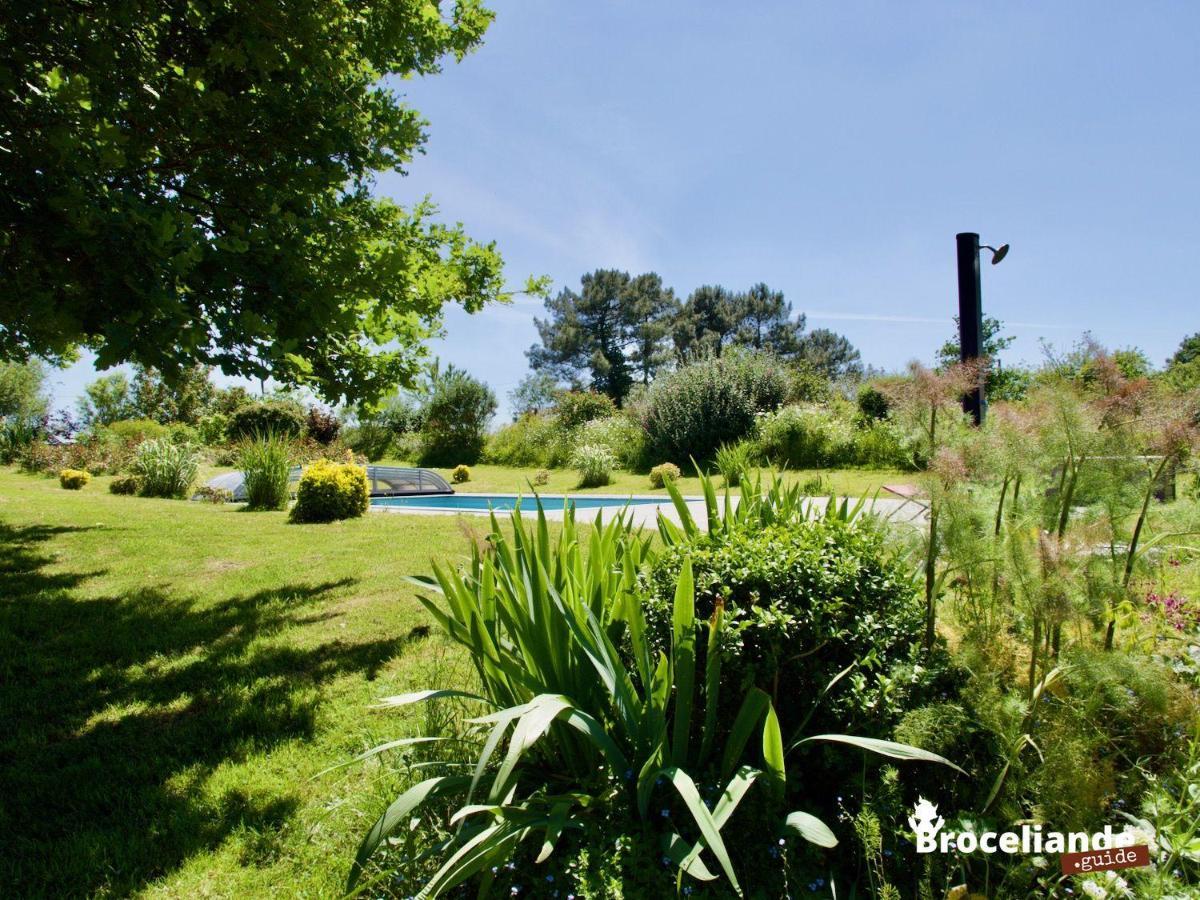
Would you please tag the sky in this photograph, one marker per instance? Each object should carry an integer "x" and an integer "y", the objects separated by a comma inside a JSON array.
[{"x": 832, "y": 150}]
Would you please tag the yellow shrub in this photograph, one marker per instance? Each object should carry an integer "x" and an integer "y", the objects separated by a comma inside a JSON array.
[
  {"x": 329, "y": 491},
  {"x": 73, "y": 479},
  {"x": 460, "y": 474}
]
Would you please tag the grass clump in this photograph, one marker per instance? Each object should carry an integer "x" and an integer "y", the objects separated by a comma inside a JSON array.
[
  {"x": 266, "y": 462},
  {"x": 594, "y": 464},
  {"x": 733, "y": 460},
  {"x": 166, "y": 470}
]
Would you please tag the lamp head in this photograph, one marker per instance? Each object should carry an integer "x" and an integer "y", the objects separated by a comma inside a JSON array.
[{"x": 998, "y": 253}]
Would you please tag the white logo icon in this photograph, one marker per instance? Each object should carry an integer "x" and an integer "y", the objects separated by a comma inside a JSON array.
[{"x": 925, "y": 823}]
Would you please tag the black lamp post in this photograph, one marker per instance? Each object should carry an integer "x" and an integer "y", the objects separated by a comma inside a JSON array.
[{"x": 970, "y": 314}]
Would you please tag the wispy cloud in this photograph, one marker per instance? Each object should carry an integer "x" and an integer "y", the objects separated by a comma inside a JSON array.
[{"x": 918, "y": 320}]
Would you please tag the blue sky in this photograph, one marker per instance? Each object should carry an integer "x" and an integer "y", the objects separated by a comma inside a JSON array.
[{"x": 831, "y": 150}]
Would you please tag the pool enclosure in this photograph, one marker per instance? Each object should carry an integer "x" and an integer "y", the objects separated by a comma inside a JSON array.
[{"x": 383, "y": 481}]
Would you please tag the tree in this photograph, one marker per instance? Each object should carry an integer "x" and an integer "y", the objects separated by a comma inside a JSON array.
[
  {"x": 707, "y": 323},
  {"x": 614, "y": 329},
  {"x": 830, "y": 354},
  {"x": 190, "y": 183},
  {"x": 23, "y": 390},
  {"x": 454, "y": 418},
  {"x": 1001, "y": 383},
  {"x": 183, "y": 399},
  {"x": 106, "y": 400},
  {"x": 714, "y": 318},
  {"x": 1189, "y": 349},
  {"x": 534, "y": 393}
]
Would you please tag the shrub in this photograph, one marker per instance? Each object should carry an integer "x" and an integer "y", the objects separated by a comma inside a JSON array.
[
  {"x": 16, "y": 434},
  {"x": 213, "y": 428},
  {"x": 803, "y": 600},
  {"x": 454, "y": 419},
  {"x": 460, "y": 474},
  {"x": 215, "y": 495},
  {"x": 281, "y": 417},
  {"x": 623, "y": 438},
  {"x": 525, "y": 442},
  {"x": 873, "y": 406},
  {"x": 165, "y": 469},
  {"x": 883, "y": 445},
  {"x": 329, "y": 491},
  {"x": 370, "y": 439},
  {"x": 733, "y": 460},
  {"x": 595, "y": 465},
  {"x": 125, "y": 484},
  {"x": 663, "y": 473},
  {"x": 266, "y": 466},
  {"x": 806, "y": 437},
  {"x": 694, "y": 410},
  {"x": 608, "y": 748},
  {"x": 134, "y": 431},
  {"x": 322, "y": 426},
  {"x": 575, "y": 408},
  {"x": 541, "y": 478},
  {"x": 73, "y": 479}
]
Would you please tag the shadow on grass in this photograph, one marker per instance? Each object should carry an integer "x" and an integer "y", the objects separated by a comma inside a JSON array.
[{"x": 111, "y": 708}]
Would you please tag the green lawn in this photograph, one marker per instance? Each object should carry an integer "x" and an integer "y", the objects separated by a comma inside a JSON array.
[
  {"x": 173, "y": 675},
  {"x": 507, "y": 479}
]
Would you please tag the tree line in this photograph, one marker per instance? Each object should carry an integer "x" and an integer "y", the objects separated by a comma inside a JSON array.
[{"x": 618, "y": 330}]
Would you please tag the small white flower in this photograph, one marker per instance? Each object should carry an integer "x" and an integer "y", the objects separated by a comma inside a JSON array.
[{"x": 1092, "y": 889}]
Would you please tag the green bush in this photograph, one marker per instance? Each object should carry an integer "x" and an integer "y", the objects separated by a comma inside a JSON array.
[
  {"x": 606, "y": 749},
  {"x": 16, "y": 434},
  {"x": 575, "y": 408},
  {"x": 663, "y": 473},
  {"x": 454, "y": 419},
  {"x": 281, "y": 417},
  {"x": 692, "y": 411},
  {"x": 73, "y": 479},
  {"x": 873, "y": 406},
  {"x": 166, "y": 470},
  {"x": 125, "y": 484},
  {"x": 266, "y": 463},
  {"x": 460, "y": 474},
  {"x": 213, "y": 429},
  {"x": 329, "y": 491},
  {"x": 806, "y": 437},
  {"x": 622, "y": 437},
  {"x": 883, "y": 445},
  {"x": 595, "y": 464},
  {"x": 525, "y": 442},
  {"x": 370, "y": 439},
  {"x": 134, "y": 431},
  {"x": 733, "y": 460},
  {"x": 803, "y": 600}
]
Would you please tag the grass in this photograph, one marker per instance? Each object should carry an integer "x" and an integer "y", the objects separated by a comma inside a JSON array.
[
  {"x": 508, "y": 479},
  {"x": 173, "y": 675}
]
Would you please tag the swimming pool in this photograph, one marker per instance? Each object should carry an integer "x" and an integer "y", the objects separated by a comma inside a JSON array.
[{"x": 506, "y": 502}]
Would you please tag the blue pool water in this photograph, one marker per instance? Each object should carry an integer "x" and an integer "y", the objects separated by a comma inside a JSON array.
[{"x": 505, "y": 502}]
